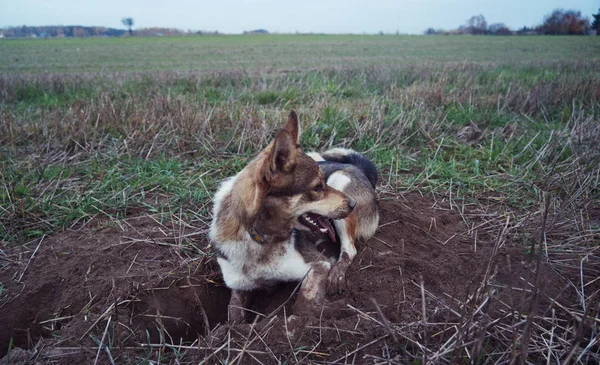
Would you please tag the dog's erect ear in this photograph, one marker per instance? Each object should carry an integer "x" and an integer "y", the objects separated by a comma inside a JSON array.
[
  {"x": 293, "y": 126},
  {"x": 283, "y": 155}
]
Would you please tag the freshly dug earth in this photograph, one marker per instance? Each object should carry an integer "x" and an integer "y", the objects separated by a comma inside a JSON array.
[{"x": 137, "y": 284}]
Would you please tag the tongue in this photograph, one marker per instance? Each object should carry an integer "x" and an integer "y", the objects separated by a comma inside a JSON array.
[{"x": 324, "y": 222}]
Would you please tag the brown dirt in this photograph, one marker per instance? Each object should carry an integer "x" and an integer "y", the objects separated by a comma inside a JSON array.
[{"x": 165, "y": 290}]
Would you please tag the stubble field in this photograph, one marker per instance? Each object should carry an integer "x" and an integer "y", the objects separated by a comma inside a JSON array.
[{"x": 487, "y": 148}]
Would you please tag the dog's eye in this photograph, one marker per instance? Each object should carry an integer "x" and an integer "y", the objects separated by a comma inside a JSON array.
[{"x": 318, "y": 188}]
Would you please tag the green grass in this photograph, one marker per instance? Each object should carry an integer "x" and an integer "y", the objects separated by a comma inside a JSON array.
[
  {"x": 58, "y": 195},
  {"x": 297, "y": 52}
]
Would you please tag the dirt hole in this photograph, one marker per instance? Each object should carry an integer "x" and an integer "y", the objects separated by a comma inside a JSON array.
[{"x": 180, "y": 311}]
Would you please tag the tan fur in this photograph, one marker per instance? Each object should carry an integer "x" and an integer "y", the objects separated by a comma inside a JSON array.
[
  {"x": 242, "y": 204},
  {"x": 352, "y": 226}
]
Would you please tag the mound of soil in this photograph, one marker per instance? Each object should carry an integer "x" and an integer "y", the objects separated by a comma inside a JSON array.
[{"x": 136, "y": 284}]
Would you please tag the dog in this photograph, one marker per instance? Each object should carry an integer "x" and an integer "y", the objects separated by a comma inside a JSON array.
[{"x": 270, "y": 218}]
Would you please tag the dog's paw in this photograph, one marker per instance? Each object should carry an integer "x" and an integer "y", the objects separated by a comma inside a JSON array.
[
  {"x": 236, "y": 315},
  {"x": 336, "y": 281},
  {"x": 296, "y": 326}
]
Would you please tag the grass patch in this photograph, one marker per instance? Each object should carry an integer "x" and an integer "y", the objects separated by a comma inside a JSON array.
[
  {"x": 148, "y": 131},
  {"x": 179, "y": 135},
  {"x": 267, "y": 97},
  {"x": 184, "y": 54},
  {"x": 44, "y": 198}
]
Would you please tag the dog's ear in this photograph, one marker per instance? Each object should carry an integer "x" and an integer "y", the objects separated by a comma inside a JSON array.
[
  {"x": 283, "y": 155},
  {"x": 293, "y": 126}
]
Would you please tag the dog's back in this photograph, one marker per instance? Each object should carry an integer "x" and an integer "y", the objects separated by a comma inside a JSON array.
[
  {"x": 356, "y": 176},
  {"x": 350, "y": 157}
]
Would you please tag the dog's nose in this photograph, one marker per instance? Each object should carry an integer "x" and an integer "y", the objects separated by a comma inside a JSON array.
[{"x": 351, "y": 203}]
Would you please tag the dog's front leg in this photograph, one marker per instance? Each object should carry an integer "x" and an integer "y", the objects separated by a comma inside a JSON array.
[
  {"x": 238, "y": 303},
  {"x": 346, "y": 229},
  {"x": 313, "y": 288},
  {"x": 311, "y": 296}
]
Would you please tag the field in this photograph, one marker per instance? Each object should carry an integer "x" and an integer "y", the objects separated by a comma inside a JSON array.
[
  {"x": 299, "y": 53},
  {"x": 487, "y": 149}
]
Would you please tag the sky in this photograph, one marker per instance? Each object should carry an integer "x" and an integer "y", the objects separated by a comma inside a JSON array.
[{"x": 284, "y": 16}]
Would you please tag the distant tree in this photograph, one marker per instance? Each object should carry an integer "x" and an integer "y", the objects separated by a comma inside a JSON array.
[
  {"x": 430, "y": 31},
  {"x": 476, "y": 25},
  {"x": 256, "y": 31},
  {"x": 159, "y": 32},
  {"x": 596, "y": 22},
  {"x": 498, "y": 29},
  {"x": 565, "y": 22},
  {"x": 527, "y": 31},
  {"x": 128, "y": 22},
  {"x": 78, "y": 32}
]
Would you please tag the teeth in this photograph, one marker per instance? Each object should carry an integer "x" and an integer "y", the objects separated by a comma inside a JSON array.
[
  {"x": 324, "y": 230},
  {"x": 307, "y": 218}
]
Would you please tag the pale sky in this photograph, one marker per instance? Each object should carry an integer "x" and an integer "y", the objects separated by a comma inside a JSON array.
[{"x": 319, "y": 16}]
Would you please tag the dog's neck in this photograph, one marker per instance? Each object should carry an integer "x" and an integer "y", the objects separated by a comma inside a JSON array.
[
  {"x": 241, "y": 210},
  {"x": 271, "y": 238},
  {"x": 271, "y": 224}
]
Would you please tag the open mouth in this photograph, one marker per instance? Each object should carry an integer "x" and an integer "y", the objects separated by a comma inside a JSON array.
[{"x": 319, "y": 224}]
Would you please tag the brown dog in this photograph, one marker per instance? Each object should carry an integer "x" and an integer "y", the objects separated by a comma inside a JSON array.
[{"x": 266, "y": 218}]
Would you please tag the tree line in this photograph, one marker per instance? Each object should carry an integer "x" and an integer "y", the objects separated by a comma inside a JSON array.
[
  {"x": 559, "y": 22},
  {"x": 61, "y": 31}
]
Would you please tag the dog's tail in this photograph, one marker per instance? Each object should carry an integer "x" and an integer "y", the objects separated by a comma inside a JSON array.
[{"x": 348, "y": 156}]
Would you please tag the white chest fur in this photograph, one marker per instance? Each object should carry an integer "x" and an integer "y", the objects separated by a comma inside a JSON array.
[{"x": 250, "y": 265}]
